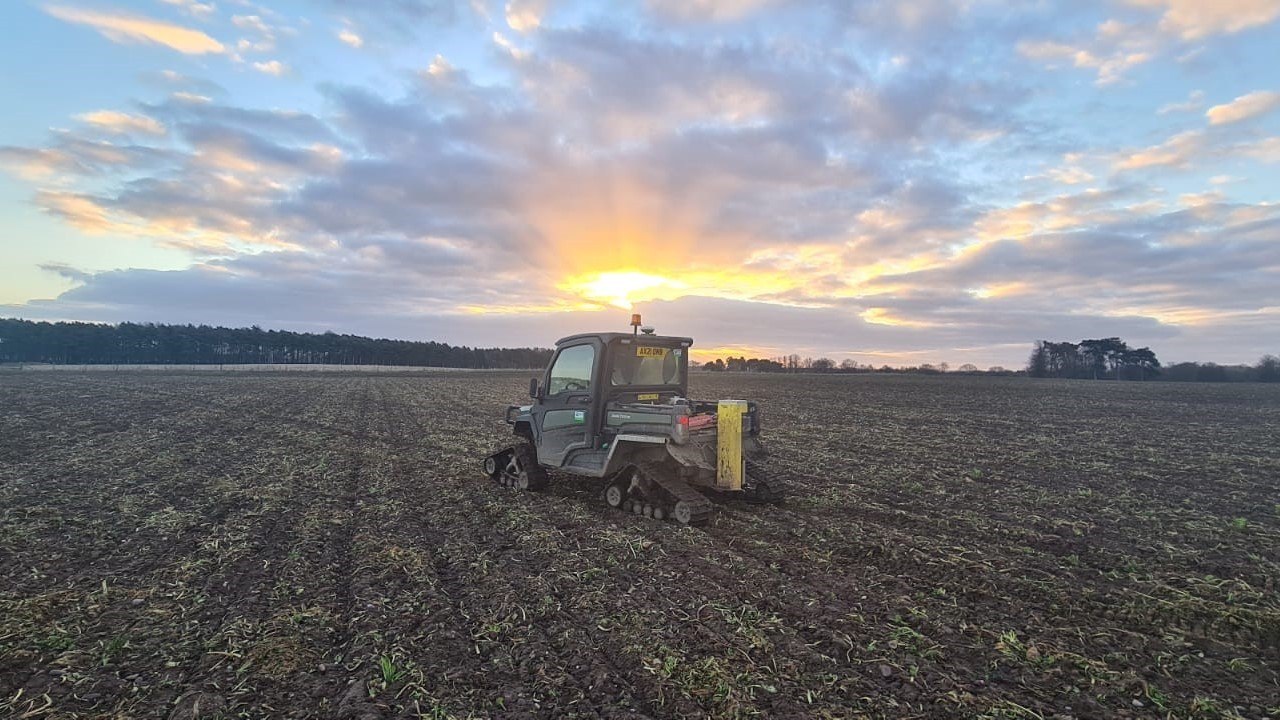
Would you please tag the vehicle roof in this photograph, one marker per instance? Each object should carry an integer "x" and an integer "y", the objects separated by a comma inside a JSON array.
[{"x": 608, "y": 337}]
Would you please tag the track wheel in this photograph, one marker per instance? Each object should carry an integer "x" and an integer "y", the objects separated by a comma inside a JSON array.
[
  {"x": 683, "y": 513},
  {"x": 616, "y": 494},
  {"x": 522, "y": 470},
  {"x": 494, "y": 464}
]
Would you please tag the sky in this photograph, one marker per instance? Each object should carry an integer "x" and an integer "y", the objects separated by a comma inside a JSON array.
[{"x": 887, "y": 181}]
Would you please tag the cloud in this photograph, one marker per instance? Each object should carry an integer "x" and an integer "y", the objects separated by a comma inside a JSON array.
[
  {"x": 1194, "y": 148},
  {"x": 509, "y": 47},
  {"x": 1196, "y": 19},
  {"x": 67, "y": 272},
  {"x": 120, "y": 123},
  {"x": 266, "y": 34},
  {"x": 1244, "y": 107},
  {"x": 131, "y": 29},
  {"x": 1134, "y": 264},
  {"x": 191, "y": 98},
  {"x": 525, "y": 15},
  {"x": 1177, "y": 151},
  {"x": 1115, "y": 49},
  {"x": 71, "y": 156},
  {"x": 707, "y": 10},
  {"x": 401, "y": 19},
  {"x": 1266, "y": 150},
  {"x": 900, "y": 193},
  {"x": 80, "y": 211},
  {"x": 251, "y": 22},
  {"x": 1194, "y": 102},
  {"x": 173, "y": 81},
  {"x": 196, "y": 9},
  {"x": 271, "y": 67},
  {"x": 1070, "y": 174},
  {"x": 349, "y": 37}
]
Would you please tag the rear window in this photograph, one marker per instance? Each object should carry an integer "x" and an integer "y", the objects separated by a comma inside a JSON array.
[{"x": 646, "y": 365}]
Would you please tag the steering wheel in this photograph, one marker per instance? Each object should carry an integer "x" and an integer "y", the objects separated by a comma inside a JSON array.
[{"x": 574, "y": 385}]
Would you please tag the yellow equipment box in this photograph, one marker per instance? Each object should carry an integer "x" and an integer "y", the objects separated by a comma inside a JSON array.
[{"x": 730, "y": 464}]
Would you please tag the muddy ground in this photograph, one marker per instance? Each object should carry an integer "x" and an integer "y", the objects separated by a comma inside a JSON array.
[{"x": 200, "y": 546}]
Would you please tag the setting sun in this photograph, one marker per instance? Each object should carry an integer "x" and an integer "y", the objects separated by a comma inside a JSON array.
[{"x": 623, "y": 288}]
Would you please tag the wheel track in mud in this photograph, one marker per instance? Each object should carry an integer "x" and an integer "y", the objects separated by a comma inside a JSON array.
[
  {"x": 249, "y": 599},
  {"x": 338, "y": 549},
  {"x": 327, "y": 558},
  {"x": 330, "y": 564},
  {"x": 594, "y": 643},
  {"x": 446, "y": 582}
]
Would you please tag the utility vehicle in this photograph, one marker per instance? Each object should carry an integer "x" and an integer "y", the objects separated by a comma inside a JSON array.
[{"x": 615, "y": 406}]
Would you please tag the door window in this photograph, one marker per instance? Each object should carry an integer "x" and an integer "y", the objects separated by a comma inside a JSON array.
[{"x": 572, "y": 370}]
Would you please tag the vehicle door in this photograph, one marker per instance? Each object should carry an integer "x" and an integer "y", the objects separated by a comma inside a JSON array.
[{"x": 563, "y": 414}]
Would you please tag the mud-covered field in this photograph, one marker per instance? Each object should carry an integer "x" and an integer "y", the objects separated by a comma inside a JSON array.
[{"x": 229, "y": 545}]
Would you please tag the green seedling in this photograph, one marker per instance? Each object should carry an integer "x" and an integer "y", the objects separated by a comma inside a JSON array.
[
  {"x": 391, "y": 673},
  {"x": 112, "y": 649}
]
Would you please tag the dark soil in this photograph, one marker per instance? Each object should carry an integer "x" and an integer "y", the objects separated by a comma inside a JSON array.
[{"x": 218, "y": 546}]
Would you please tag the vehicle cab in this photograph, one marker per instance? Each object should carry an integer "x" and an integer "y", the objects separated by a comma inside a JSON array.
[{"x": 582, "y": 399}]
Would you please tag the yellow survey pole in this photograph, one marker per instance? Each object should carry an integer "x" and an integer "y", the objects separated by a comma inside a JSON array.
[{"x": 730, "y": 465}]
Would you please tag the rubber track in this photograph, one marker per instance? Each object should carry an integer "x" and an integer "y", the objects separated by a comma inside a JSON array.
[
  {"x": 777, "y": 481},
  {"x": 681, "y": 491}
]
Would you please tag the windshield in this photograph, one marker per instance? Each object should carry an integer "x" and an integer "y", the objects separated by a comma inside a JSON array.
[{"x": 647, "y": 365}]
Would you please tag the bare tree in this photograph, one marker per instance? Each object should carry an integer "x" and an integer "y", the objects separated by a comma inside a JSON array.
[{"x": 1269, "y": 369}]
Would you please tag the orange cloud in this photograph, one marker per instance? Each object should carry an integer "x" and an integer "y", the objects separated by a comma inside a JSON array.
[
  {"x": 273, "y": 67},
  {"x": 130, "y": 29},
  {"x": 118, "y": 122},
  {"x": 1195, "y": 19},
  {"x": 1177, "y": 151},
  {"x": 1109, "y": 64},
  {"x": 349, "y": 37},
  {"x": 883, "y": 316},
  {"x": 525, "y": 15},
  {"x": 1244, "y": 107},
  {"x": 82, "y": 212}
]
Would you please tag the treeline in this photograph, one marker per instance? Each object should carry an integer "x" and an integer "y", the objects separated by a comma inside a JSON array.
[
  {"x": 1267, "y": 370},
  {"x": 1112, "y": 358},
  {"x": 794, "y": 363},
  {"x": 76, "y": 343},
  {"x": 1107, "y": 358}
]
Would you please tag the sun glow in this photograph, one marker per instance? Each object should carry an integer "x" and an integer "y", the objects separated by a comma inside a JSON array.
[
  {"x": 998, "y": 290},
  {"x": 724, "y": 352},
  {"x": 883, "y": 316},
  {"x": 624, "y": 288}
]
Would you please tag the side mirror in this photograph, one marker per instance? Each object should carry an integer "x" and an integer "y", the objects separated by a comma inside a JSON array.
[{"x": 533, "y": 387}]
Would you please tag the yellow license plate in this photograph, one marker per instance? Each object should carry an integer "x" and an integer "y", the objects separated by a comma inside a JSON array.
[
  {"x": 643, "y": 351},
  {"x": 647, "y": 396}
]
